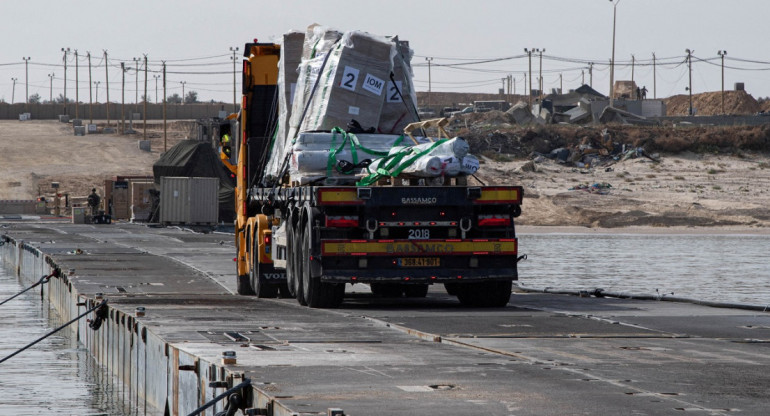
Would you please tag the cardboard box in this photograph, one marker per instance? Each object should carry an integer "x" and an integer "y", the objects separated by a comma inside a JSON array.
[
  {"x": 400, "y": 99},
  {"x": 352, "y": 83}
]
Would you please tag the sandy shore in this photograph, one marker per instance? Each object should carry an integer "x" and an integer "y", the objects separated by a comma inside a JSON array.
[
  {"x": 682, "y": 193},
  {"x": 679, "y": 192}
]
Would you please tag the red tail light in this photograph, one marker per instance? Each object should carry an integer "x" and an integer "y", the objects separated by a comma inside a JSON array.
[
  {"x": 268, "y": 239},
  {"x": 341, "y": 221},
  {"x": 494, "y": 221}
]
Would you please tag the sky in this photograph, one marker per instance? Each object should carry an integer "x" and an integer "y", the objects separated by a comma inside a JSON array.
[{"x": 473, "y": 45}]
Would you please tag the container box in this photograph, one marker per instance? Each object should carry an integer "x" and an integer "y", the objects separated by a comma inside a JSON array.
[
  {"x": 189, "y": 200},
  {"x": 78, "y": 215},
  {"x": 141, "y": 202}
]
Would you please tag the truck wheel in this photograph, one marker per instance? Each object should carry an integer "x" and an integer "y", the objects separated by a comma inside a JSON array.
[
  {"x": 258, "y": 284},
  {"x": 485, "y": 294},
  {"x": 243, "y": 286},
  {"x": 387, "y": 290},
  {"x": 242, "y": 282},
  {"x": 296, "y": 255},
  {"x": 415, "y": 291},
  {"x": 291, "y": 276},
  {"x": 318, "y": 294}
]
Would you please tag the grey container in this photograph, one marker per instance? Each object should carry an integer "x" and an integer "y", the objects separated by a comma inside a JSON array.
[{"x": 189, "y": 200}]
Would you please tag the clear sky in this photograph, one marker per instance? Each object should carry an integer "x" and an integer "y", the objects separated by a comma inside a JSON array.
[{"x": 194, "y": 38}]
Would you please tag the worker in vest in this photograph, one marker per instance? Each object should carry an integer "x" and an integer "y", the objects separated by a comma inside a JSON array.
[{"x": 226, "y": 144}]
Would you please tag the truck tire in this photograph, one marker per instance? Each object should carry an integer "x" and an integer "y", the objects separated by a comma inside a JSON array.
[
  {"x": 485, "y": 294},
  {"x": 243, "y": 286},
  {"x": 318, "y": 294},
  {"x": 258, "y": 284},
  {"x": 415, "y": 291},
  {"x": 242, "y": 282},
  {"x": 295, "y": 257},
  {"x": 291, "y": 276}
]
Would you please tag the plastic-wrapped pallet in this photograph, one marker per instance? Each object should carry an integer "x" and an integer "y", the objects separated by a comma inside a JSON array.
[
  {"x": 318, "y": 154},
  {"x": 317, "y": 42},
  {"x": 291, "y": 56},
  {"x": 352, "y": 84},
  {"x": 400, "y": 99},
  {"x": 443, "y": 157}
]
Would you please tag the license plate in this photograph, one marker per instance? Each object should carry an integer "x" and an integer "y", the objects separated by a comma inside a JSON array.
[{"x": 419, "y": 262}]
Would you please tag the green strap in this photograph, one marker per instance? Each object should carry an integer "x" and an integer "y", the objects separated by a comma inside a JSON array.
[
  {"x": 332, "y": 158},
  {"x": 393, "y": 165},
  {"x": 355, "y": 145}
]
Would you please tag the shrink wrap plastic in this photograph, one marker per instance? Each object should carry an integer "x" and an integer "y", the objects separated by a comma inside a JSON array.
[{"x": 344, "y": 77}]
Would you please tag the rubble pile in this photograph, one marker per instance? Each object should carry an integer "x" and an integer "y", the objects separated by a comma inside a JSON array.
[{"x": 710, "y": 103}]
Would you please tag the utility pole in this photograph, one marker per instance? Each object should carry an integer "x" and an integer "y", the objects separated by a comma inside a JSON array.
[
  {"x": 632, "y": 67},
  {"x": 50, "y": 93},
  {"x": 722, "y": 55},
  {"x": 654, "y": 79},
  {"x": 529, "y": 53},
  {"x": 13, "y": 93},
  {"x": 183, "y": 82},
  {"x": 123, "y": 98},
  {"x": 136, "y": 86},
  {"x": 689, "y": 65},
  {"x": 144, "y": 110},
  {"x": 612, "y": 61},
  {"x": 90, "y": 100},
  {"x": 429, "y": 80},
  {"x": 561, "y": 84},
  {"x": 77, "y": 86},
  {"x": 66, "y": 51},
  {"x": 97, "y": 91},
  {"x": 26, "y": 82},
  {"x": 235, "y": 60},
  {"x": 164, "y": 106},
  {"x": 591, "y": 74},
  {"x": 156, "y": 76},
  {"x": 541, "y": 73},
  {"x": 582, "y": 77},
  {"x": 106, "y": 85}
]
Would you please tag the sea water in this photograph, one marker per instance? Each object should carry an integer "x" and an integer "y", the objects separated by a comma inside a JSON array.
[
  {"x": 712, "y": 267},
  {"x": 54, "y": 377}
]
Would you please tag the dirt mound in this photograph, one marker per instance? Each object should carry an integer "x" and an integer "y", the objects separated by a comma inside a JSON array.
[{"x": 710, "y": 103}]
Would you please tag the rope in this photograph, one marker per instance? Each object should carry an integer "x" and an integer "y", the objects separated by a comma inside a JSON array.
[
  {"x": 43, "y": 280},
  {"x": 95, "y": 324},
  {"x": 245, "y": 383}
]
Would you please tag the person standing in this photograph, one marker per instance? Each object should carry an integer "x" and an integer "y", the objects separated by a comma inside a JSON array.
[{"x": 93, "y": 201}]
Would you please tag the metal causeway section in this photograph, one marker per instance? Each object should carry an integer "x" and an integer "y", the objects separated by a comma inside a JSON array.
[{"x": 156, "y": 376}]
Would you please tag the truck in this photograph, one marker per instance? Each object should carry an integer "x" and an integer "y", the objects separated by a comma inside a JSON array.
[{"x": 398, "y": 235}]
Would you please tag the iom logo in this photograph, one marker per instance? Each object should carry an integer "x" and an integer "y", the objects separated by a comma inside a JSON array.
[{"x": 373, "y": 84}]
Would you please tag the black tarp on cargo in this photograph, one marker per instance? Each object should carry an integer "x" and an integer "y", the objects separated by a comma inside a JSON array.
[{"x": 193, "y": 158}]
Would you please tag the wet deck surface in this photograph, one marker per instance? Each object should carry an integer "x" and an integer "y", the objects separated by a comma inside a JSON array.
[{"x": 543, "y": 354}]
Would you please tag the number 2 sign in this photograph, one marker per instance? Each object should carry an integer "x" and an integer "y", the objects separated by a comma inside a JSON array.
[{"x": 349, "y": 78}]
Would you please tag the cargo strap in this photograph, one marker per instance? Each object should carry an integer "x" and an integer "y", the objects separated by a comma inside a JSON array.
[
  {"x": 392, "y": 165},
  {"x": 351, "y": 140}
]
